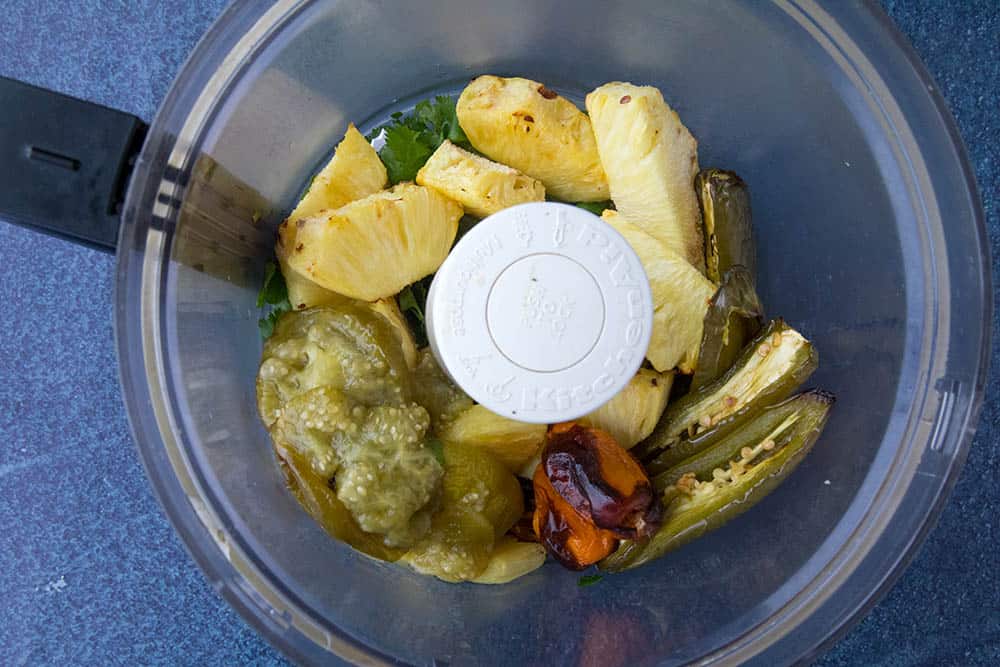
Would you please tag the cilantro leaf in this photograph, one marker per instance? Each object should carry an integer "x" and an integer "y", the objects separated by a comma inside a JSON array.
[
  {"x": 404, "y": 153},
  {"x": 589, "y": 580},
  {"x": 266, "y": 324},
  {"x": 273, "y": 293},
  {"x": 413, "y": 302},
  {"x": 411, "y": 138},
  {"x": 273, "y": 290},
  {"x": 441, "y": 120},
  {"x": 595, "y": 207}
]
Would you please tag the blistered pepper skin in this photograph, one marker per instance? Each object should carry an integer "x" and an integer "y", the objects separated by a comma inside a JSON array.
[
  {"x": 589, "y": 492},
  {"x": 769, "y": 369},
  {"x": 601, "y": 480},
  {"x": 570, "y": 538},
  {"x": 696, "y": 507},
  {"x": 734, "y": 316},
  {"x": 775, "y": 423},
  {"x": 725, "y": 211}
]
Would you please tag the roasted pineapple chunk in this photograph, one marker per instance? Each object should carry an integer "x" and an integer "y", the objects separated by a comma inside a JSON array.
[
  {"x": 304, "y": 293},
  {"x": 650, "y": 160},
  {"x": 354, "y": 171},
  {"x": 511, "y": 559},
  {"x": 523, "y": 124},
  {"x": 513, "y": 443},
  {"x": 481, "y": 186},
  {"x": 376, "y": 246},
  {"x": 680, "y": 298},
  {"x": 634, "y": 411}
]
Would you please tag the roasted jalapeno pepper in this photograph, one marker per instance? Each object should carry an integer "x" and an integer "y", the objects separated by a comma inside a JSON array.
[
  {"x": 735, "y": 315},
  {"x": 697, "y": 506},
  {"x": 318, "y": 498},
  {"x": 775, "y": 423},
  {"x": 725, "y": 210},
  {"x": 769, "y": 369}
]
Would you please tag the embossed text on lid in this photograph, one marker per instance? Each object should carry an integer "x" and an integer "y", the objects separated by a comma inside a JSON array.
[{"x": 541, "y": 313}]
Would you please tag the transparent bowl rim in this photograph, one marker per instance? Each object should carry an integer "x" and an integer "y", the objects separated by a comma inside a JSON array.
[{"x": 278, "y": 613}]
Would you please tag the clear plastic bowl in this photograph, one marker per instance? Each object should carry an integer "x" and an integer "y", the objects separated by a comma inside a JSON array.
[{"x": 870, "y": 239}]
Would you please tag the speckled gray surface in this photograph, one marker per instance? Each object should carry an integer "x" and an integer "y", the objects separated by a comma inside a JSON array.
[{"x": 91, "y": 572}]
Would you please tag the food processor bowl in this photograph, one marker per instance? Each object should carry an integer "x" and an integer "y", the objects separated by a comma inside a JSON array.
[{"x": 870, "y": 240}]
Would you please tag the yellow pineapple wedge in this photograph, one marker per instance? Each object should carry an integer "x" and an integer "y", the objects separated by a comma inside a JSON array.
[
  {"x": 302, "y": 292},
  {"x": 672, "y": 343},
  {"x": 680, "y": 298},
  {"x": 481, "y": 186},
  {"x": 376, "y": 246},
  {"x": 513, "y": 443},
  {"x": 633, "y": 412},
  {"x": 524, "y": 125},
  {"x": 527, "y": 471},
  {"x": 354, "y": 171},
  {"x": 650, "y": 160},
  {"x": 511, "y": 559}
]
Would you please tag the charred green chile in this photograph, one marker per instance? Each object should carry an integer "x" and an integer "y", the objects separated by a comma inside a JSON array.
[
  {"x": 697, "y": 506},
  {"x": 334, "y": 390},
  {"x": 725, "y": 210},
  {"x": 735, "y": 315},
  {"x": 320, "y": 501},
  {"x": 769, "y": 369},
  {"x": 776, "y": 423}
]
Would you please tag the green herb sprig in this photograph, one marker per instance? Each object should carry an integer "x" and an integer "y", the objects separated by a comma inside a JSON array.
[
  {"x": 411, "y": 138},
  {"x": 595, "y": 207},
  {"x": 413, "y": 302},
  {"x": 273, "y": 294}
]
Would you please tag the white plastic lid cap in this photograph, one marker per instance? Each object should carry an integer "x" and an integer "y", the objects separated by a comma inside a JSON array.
[{"x": 541, "y": 313}]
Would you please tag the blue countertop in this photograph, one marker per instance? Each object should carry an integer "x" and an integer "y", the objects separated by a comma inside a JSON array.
[{"x": 90, "y": 570}]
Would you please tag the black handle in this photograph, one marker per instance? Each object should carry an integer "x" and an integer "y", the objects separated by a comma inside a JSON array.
[{"x": 65, "y": 163}]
